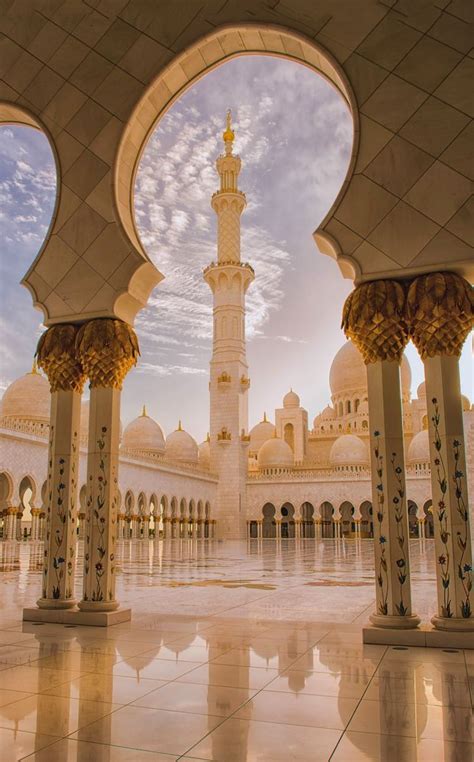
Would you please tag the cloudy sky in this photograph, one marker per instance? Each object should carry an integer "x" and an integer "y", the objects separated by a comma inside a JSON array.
[{"x": 294, "y": 136}]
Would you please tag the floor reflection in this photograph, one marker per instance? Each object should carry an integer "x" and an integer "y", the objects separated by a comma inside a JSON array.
[{"x": 241, "y": 661}]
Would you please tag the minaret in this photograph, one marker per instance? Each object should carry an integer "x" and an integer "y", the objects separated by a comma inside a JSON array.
[{"x": 228, "y": 280}]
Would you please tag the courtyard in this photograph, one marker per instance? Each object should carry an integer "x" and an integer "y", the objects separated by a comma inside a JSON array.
[{"x": 236, "y": 651}]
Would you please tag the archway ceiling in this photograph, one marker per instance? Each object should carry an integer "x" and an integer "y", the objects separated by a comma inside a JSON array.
[{"x": 81, "y": 72}]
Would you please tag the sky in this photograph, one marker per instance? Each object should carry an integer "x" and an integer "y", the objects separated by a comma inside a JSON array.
[{"x": 294, "y": 136}]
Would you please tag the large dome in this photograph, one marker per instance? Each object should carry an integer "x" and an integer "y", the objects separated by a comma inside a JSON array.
[
  {"x": 261, "y": 433},
  {"x": 348, "y": 450},
  {"x": 275, "y": 453},
  {"x": 144, "y": 433},
  {"x": 181, "y": 446},
  {"x": 349, "y": 374},
  {"x": 291, "y": 400},
  {"x": 28, "y": 397},
  {"x": 419, "y": 448}
]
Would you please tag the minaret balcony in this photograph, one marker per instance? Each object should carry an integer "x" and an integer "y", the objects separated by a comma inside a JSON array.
[
  {"x": 224, "y": 436},
  {"x": 244, "y": 382},
  {"x": 244, "y": 439}
]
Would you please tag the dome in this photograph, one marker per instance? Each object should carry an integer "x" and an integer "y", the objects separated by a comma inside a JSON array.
[
  {"x": 421, "y": 391},
  {"x": 466, "y": 405},
  {"x": 349, "y": 374},
  {"x": 419, "y": 448},
  {"x": 143, "y": 433},
  {"x": 28, "y": 397},
  {"x": 181, "y": 446},
  {"x": 291, "y": 399},
  {"x": 275, "y": 453},
  {"x": 328, "y": 414},
  {"x": 348, "y": 450},
  {"x": 261, "y": 433},
  {"x": 205, "y": 453}
]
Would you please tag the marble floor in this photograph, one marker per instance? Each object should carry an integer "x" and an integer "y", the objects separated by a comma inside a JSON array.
[{"x": 236, "y": 652}]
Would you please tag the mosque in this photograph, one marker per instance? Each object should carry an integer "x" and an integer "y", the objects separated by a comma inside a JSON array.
[{"x": 280, "y": 479}]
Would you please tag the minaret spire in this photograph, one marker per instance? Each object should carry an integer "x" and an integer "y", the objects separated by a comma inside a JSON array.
[{"x": 228, "y": 134}]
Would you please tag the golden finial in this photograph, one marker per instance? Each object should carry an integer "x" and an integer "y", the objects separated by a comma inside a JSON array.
[
  {"x": 34, "y": 367},
  {"x": 144, "y": 412},
  {"x": 228, "y": 133},
  {"x": 264, "y": 418},
  {"x": 208, "y": 438},
  {"x": 180, "y": 428}
]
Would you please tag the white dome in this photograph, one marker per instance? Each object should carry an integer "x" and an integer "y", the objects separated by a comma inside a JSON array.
[
  {"x": 291, "y": 399},
  {"x": 261, "y": 433},
  {"x": 205, "y": 453},
  {"x": 144, "y": 433},
  {"x": 328, "y": 414},
  {"x": 419, "y": 448},
  {"x": 421, "y": 391},
  {"x": 348, "y": 450},
  {"x": 275, "y": 453},
  {"x": 349, "y": 374},
  {"x": 28, "y": 397},
  {"x": 181, "y": 446}
]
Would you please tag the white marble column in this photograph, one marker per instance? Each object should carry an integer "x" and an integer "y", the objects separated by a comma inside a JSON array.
[
  {"x": 35, "y": 524},
  {"x": 10, "y": 524},
  {"x": 107, "y": 349},
  {"x": 374, "y": 319},
  {"x": 441, "y": 315},
  {"x": 57, "y": 356}
]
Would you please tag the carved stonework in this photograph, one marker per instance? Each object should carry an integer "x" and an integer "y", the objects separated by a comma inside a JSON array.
[
  {"x": 440, "y": 311},
  {"x": 56, "y": 355},
  {"x": 373, "y": 317},
  {"x": 107, "y": 349}
]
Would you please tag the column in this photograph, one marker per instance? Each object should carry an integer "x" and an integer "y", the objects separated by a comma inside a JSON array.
[
  {"x": 146, "y": 527},
  {"x": 35, "y": 514},
  {"x": 57, "y": 356},
  {"x": 441, "y": 315},
  {"x": 278, "y": 528},
  {"x": 373, "y": 318},
  {"x": 199, "y": 528},
  {"x": 10, "y": 523},
  {"x": 108, "y": 349}
]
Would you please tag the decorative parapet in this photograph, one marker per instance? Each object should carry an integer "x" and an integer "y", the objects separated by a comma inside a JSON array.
[
  {"x": 35, "y": 428},
  {"x": 224, "y": 436},
  {"x": 224, "y": 379},
  {"x": 229, "y": 263}
]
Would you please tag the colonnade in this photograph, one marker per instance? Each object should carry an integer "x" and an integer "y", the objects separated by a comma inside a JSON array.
[
  {"x": 136, "y": 527},
  {"x": 436, "y": 311}
]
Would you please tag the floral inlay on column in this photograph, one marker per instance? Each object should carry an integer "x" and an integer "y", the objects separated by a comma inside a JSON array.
[{"x": 381, "y": 565}]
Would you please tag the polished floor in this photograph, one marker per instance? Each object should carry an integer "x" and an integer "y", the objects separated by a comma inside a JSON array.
[{"x": 237, "y": 652}]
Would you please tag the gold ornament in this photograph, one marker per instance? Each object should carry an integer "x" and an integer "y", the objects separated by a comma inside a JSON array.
[
  {"x": 107, "y": 348},
  {"x": 56, "y": 355},
  {"x": 440, "y": 310},
  {"x": 373, "y": 317}
]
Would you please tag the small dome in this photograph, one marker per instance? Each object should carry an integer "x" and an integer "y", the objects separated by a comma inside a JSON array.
[
  {"x": 275, "y": 453},
  {"x": 349, "y": 374},
  {"x": 261, "y": 433},
  {"x": 421, "y": 391},
  {"x": 466, "y": 405},
  {"x": 419, "y": 448},
  {"x": 328, "y": 414},
  {"x": 205, "y": 453},
  {"x": 28, "y": 397},
  {"x": 144, "y": 433},
  {"x": 348, "y": 450},
  {"x": 291, "y": 399},
  {"x": 181, "y": 446}
]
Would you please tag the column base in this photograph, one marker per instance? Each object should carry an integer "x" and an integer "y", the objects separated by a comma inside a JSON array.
[
  {"x": 94, "y": 606},
  {"x": 422, "y": 637},
  {"x": 76, "y": 617},
  {"x": 56, "y": 603},
  {"x": 453, "y": 624},
  {"x": 395, "y": 622}
]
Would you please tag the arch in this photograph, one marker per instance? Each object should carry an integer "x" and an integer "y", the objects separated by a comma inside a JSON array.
[
  {"x": 307, "y": 519},
  {"x": 366, "y": 522},
  {"x": 200, "y": 508},
  {"x": 44, "y": 494},
  {"x": 207, "y": 510},
  {"x": 365, "y": 424},
  {"x": 164, "y": 505},
  {"x": 142, "y": 504},
  {"x": 192, "y": 508},
  {"x": 83, "y": 499},
  {"x": 129, "y": 502},
  {"x": 346, "y": 512},
  {"x": 154, "y": 505},
  {"x": 268, "y": 523},
  {"x": 413, "y": 528},
  {"x": 429, "y": 519},
  {"x": 6, "y": 489},
  {"x": 289, "y": 435},
  {"x": 341, "y": 409},
  {"x": 326, "y": 511},
  {"x": 287, "y": 512},
  {"x": 212, "y": 50}
]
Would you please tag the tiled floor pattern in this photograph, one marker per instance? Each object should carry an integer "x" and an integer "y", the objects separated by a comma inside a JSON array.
[{"x": 237, "y": 652}]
